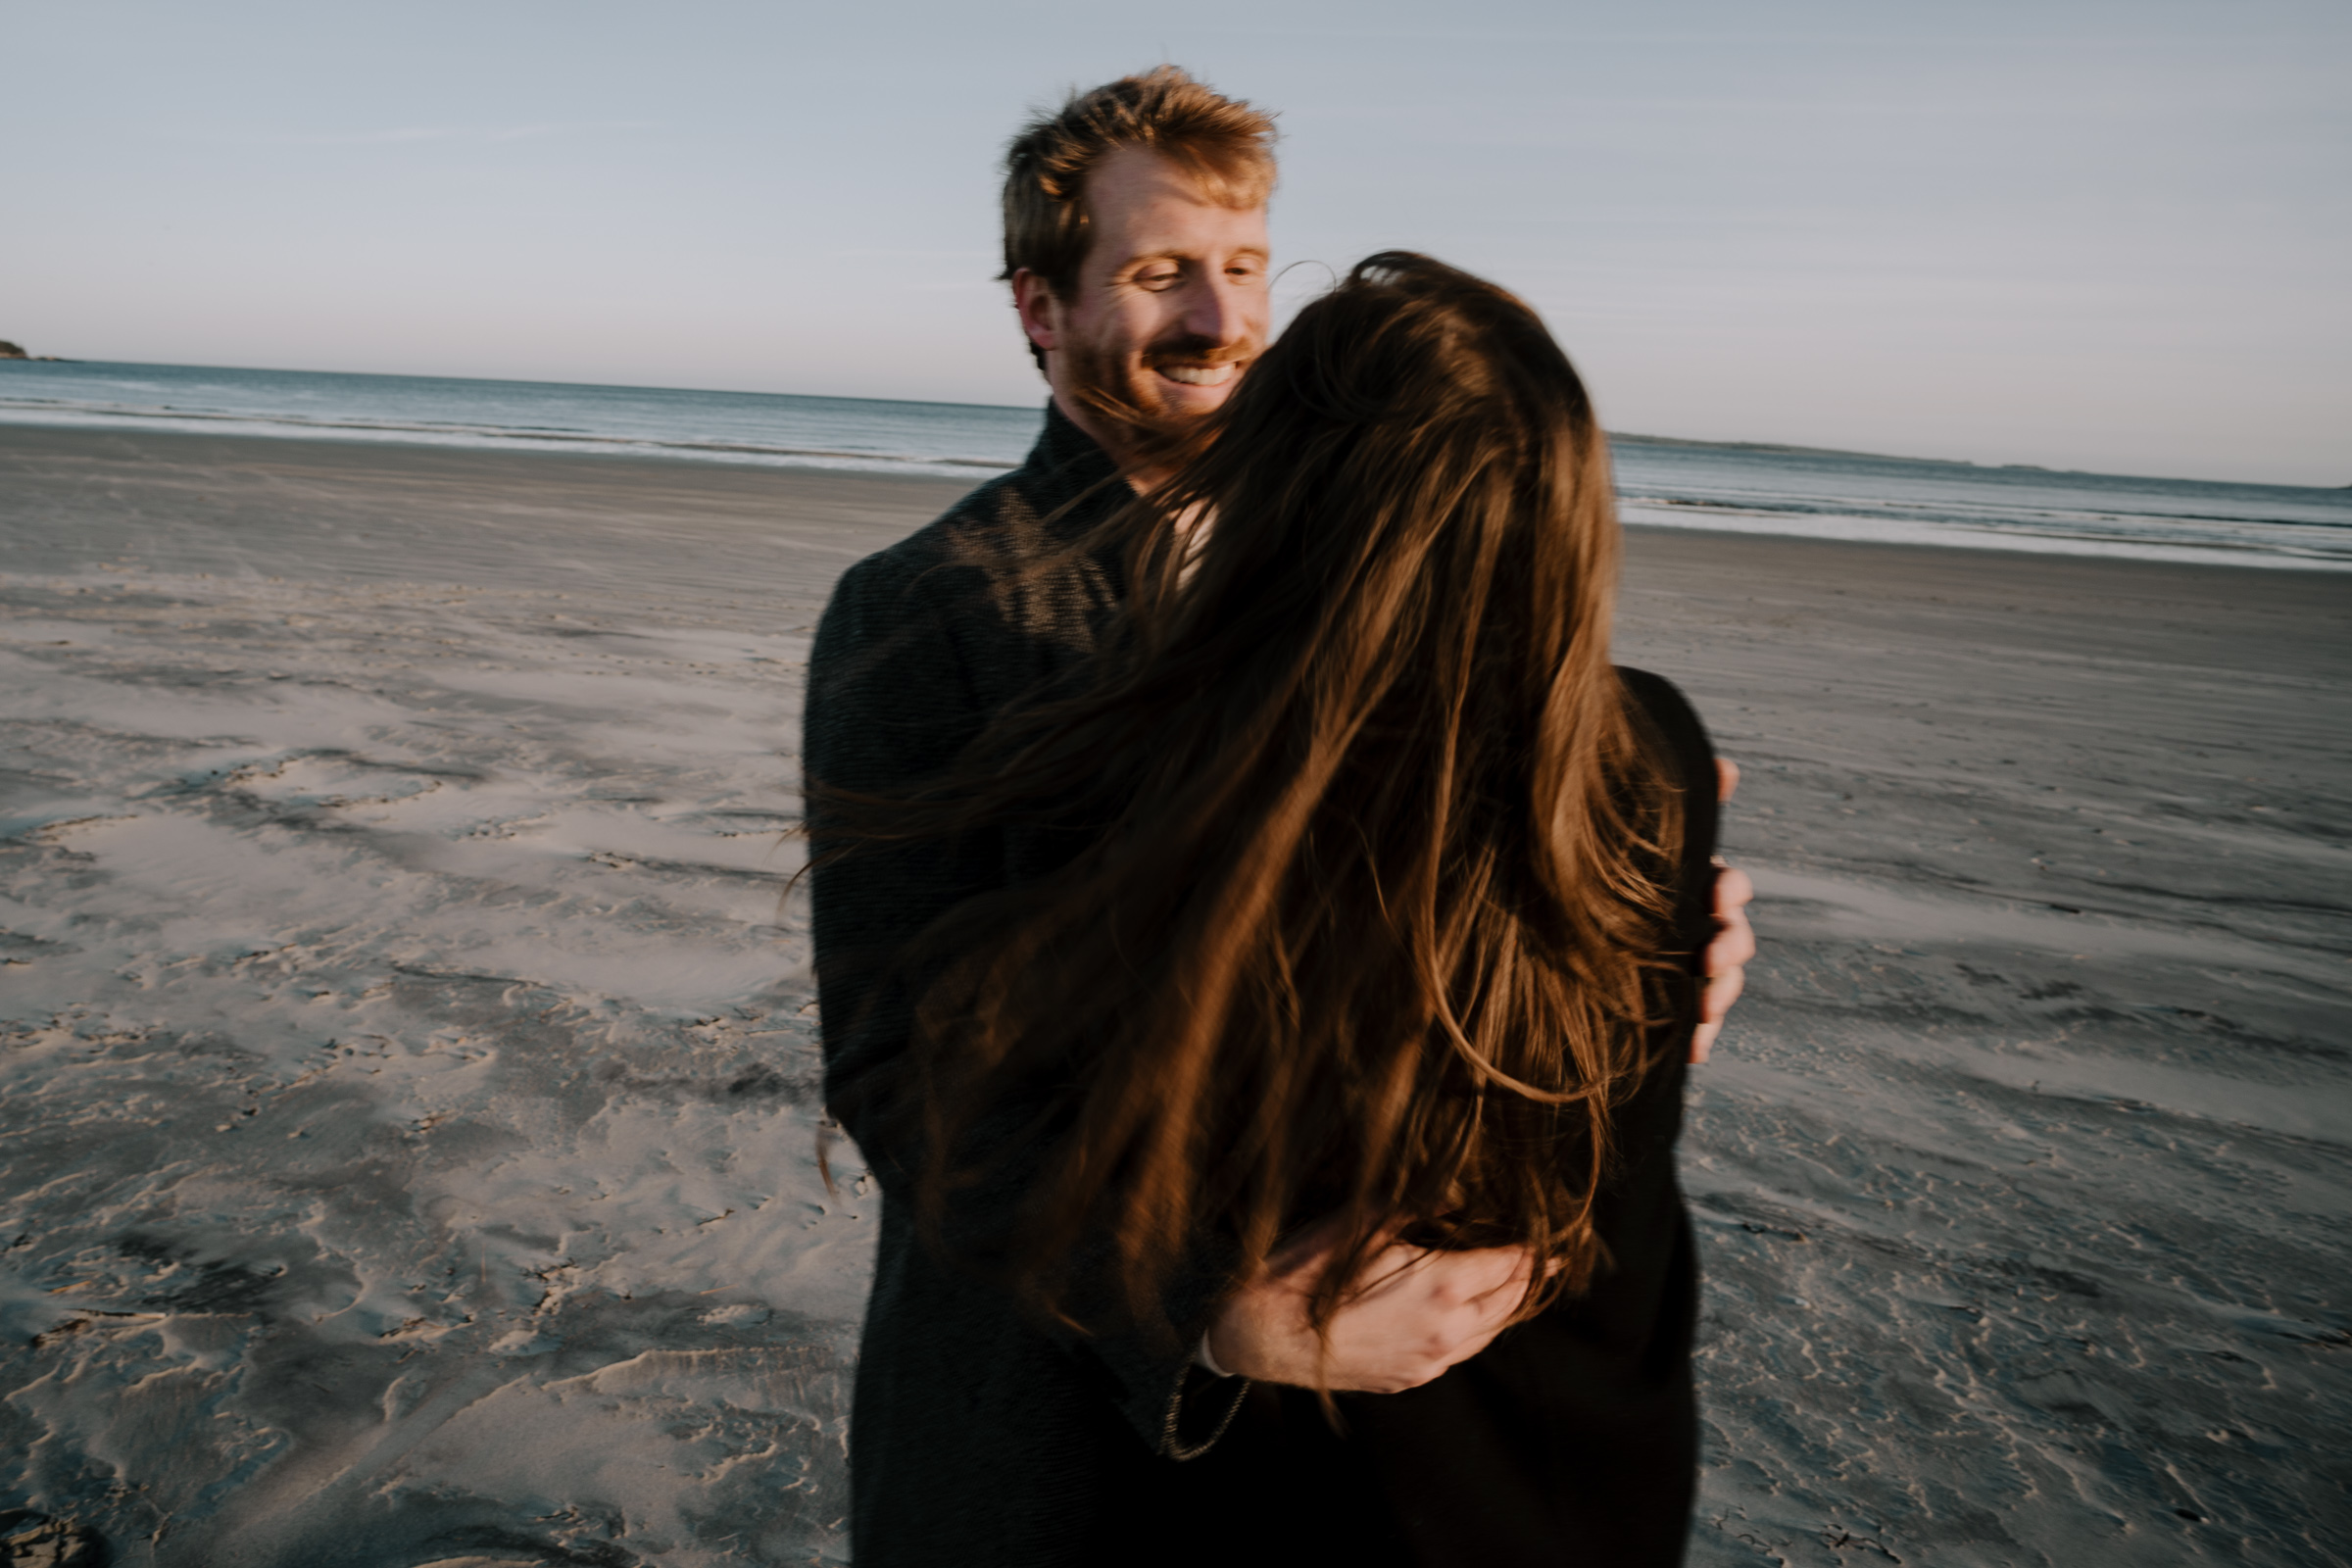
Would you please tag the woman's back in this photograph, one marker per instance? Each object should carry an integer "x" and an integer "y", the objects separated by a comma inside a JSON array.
[{"x": 1374, "y": 893}]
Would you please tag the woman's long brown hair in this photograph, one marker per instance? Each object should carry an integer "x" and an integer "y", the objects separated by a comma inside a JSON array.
[{"x": 1375, "y": 854}]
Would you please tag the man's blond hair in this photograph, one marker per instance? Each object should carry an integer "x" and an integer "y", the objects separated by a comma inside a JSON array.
[{"x": 1225, "y": 147}]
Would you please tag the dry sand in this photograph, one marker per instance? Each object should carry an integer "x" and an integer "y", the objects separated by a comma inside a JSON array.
[{"x": 409, "y": 1080}]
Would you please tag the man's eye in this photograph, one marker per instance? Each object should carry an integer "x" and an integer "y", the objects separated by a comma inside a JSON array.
[{"x": 1160, "y": 277}]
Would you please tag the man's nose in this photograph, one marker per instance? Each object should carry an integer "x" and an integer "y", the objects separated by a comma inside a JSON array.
[{"x": 1217, "y": 309}]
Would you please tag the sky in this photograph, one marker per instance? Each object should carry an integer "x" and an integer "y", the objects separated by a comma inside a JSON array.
[{"x": 2090, "y": 236}]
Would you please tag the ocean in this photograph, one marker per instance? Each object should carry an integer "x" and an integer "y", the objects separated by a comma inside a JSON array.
[{"x": 1661, "y": 483}]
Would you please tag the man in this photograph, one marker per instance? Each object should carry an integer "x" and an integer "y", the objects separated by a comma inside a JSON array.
[{"x": 1134, "y": 243}]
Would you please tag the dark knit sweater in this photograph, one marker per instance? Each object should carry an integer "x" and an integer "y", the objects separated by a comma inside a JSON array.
[{"x": 979, "y": 1436}]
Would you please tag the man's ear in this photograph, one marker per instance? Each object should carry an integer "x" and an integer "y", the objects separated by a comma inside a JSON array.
[{"x": 1039, "y": 310}]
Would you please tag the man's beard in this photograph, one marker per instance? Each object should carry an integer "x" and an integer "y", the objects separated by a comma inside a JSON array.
[{"x": 1127, "y": 396}]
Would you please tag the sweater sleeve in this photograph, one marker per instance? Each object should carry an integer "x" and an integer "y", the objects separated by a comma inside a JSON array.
[
  {"x": 1677, "y": 724},
  {"x": 889, "y": 705},
  {"x": 893, "y": 700}
]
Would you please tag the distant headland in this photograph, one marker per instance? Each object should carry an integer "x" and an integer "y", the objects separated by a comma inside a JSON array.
[{"x": 10, "y": 351}]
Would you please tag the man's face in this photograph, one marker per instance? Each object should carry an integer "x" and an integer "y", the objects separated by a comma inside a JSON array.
[{"x": 1170, "y": 305}]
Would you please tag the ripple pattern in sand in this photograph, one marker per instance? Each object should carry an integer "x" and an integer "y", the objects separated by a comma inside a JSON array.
[{"x": 411, "y": 1082}]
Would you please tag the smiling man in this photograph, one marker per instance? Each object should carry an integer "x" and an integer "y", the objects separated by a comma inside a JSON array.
[
  {"x": 1146, "y": 300},
  {"x": 1135, "y": 244}
]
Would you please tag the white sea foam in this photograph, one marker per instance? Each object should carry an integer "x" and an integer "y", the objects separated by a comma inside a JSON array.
[
  {"x": 1820, "y": 495},
  {"x": 843, "y": 433},
  {"x": 128, "y": 418},
  {"x": 2288, "y": 548}
]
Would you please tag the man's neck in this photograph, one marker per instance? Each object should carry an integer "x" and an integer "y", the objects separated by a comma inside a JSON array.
[{"x": 1120, "y": 452}]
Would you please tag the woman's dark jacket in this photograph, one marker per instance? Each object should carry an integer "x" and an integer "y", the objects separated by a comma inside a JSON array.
[{"x": 979, "y": 1436}]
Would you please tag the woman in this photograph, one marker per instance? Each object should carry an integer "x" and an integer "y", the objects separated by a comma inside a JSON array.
[{"x": 1347, "y": 903}]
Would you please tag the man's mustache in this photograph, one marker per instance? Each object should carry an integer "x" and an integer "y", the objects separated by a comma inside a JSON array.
[{"x": 1193, "y": 349}]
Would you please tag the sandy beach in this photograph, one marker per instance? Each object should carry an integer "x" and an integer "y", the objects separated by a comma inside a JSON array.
[{"x": 408, "y": 1108}]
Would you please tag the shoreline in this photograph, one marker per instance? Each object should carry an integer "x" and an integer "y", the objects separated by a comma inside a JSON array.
[
  {"x": 1616, "y": 437},
  {"x": 46, "y": 466}
]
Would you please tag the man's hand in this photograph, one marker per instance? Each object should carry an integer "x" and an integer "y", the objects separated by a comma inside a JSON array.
[
  {"x": 1734, "y": 941},
  {"x": 1420, "y": 1313}
]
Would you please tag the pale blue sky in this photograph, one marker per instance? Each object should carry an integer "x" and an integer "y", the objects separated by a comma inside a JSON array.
[{"x": 2097, "y": 236}]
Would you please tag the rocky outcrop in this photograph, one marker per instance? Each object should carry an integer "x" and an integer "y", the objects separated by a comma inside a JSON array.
[{"x": 9, "y": 351}]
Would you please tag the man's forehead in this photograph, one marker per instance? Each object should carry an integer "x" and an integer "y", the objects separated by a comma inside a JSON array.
[{"x": 1140, "y": 203}]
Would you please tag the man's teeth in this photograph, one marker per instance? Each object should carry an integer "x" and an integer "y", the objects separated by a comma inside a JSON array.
[{"x": 1201, "y": 375}]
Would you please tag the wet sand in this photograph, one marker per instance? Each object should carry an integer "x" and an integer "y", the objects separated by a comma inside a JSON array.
[{"x": 408, "y": 1097}]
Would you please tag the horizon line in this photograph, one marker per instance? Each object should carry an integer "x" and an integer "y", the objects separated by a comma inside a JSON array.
[{"x": 1631, "y": 437}]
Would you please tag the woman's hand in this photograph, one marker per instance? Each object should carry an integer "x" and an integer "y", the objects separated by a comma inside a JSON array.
[{"x": 1734, "y": 940}]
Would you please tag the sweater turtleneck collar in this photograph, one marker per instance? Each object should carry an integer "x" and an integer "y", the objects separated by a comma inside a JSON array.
[{"x": 1069, "y": 476}]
